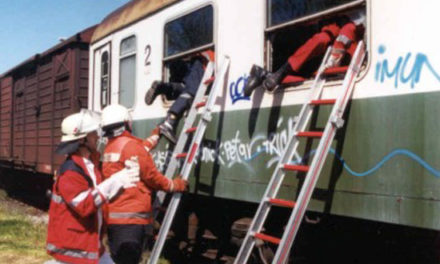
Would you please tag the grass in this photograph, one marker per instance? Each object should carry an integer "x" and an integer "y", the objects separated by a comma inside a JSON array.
[{"x": 22, "y": 240}]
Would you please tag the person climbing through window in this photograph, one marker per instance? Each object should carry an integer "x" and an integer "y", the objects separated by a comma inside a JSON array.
[
  {"x": 344, "y": 32},
  {"x": 194, "y": 70}
]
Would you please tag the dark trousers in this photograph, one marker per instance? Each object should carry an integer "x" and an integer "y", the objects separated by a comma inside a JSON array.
[
  {"x": 127, "y": 242},
  {"x": 191, "y": 82}
]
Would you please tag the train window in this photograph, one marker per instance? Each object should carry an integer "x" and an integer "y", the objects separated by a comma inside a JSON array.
[
  {"x": 105, "y": 93},
  {"x": 185, "y": 40},
  {"x": 292, "y": 23},
  {"x": 127, "y": 71},
  {"x": 189, "y": 32},
  {"x": 280, "y": 11}
]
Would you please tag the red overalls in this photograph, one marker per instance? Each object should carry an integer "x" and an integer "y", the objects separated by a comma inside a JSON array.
[{"x": 315, "y": 46}]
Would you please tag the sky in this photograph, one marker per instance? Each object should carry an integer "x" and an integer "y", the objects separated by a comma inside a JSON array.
[{"x": 28, "y": 27}]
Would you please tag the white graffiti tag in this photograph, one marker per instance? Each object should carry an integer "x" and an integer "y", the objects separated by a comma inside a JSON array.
[{"x": 236, "y": 151}]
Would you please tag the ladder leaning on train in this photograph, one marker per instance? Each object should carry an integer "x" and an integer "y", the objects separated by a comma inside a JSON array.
[
  {"x": 334, "y": 122},
  {"x": 193, "y": 148}
]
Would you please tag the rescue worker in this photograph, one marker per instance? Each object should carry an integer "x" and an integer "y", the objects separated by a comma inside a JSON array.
[
  {"x": 194, "y": 70},
  {"x": 79, "y": 195},
  {"x": 130, "y": 214},
  {"x": 343, "y": 32}
]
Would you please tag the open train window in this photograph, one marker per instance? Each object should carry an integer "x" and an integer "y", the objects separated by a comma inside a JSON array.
[
  {"x": 127, "y": 71},
  {"x": 185, "y": 37},
  {"x": 290, "y": 23},
  {"x": 105, "y": 80}
]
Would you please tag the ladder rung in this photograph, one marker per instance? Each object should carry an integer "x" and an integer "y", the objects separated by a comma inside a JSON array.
[
  {"x": 191, "y": 130},
  {"x": 296, "y": 167},
  {"x": 323, "y": 102},
  {"x": 267, "y": 238},
  {"x": 309, "y": 134},
  {"x": 210, "y": 80},
  {"x": 201, "y": 104},
  {"x": 181, "y": 155},
  {"x": 282, "y": 202}
]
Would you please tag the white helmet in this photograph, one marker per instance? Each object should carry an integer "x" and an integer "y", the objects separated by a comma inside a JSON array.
[
  {"x": 114, "y": 114},
  {"x": 78, "y": 125}
]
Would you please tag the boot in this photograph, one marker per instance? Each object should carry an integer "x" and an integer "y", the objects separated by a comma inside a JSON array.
[
  {"x": 274, "y": 79},
  {"x": 167, "y": 128},
  {"x": 154, "y": 91},
  {"x": 256, "y": 77}
]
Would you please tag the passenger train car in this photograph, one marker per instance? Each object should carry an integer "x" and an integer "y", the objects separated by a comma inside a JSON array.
[{"x": 384, "y": 165}]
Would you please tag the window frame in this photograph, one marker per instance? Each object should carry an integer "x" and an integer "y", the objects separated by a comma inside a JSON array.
[
  {"x": 268, "y": 31},
  {"x": 125, "y": 56},
  {"x": 95, "y": 89},
  {"x": 165, "y": 59},
  {"x": 197, "y": 49}
]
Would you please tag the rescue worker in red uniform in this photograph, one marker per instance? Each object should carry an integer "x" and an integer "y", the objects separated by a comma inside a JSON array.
[
  {"x": 194, "y": 70},
  {"x": 130, "y": 214},
  {"x": 343, "y": 32},
  {"x": 79, "y": 195}
]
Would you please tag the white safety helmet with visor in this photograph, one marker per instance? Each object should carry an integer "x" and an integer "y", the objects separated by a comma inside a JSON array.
[{"x": 75, "y": 127}]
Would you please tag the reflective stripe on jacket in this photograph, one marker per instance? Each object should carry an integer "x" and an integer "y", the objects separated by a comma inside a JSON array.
[
  {"x": 73, "y": 234},
  {"x": 346, "y": 42},
  {"x": 133, "y": 205}
]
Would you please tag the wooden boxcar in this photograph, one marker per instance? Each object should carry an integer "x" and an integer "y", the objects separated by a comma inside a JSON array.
[{"x": 35, "y": 96}]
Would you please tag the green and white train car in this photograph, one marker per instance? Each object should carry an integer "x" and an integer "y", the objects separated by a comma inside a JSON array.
[{"x": 384, "y": 165}]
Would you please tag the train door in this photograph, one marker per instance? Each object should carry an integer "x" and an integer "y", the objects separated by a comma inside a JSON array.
[{"x": 101, "y": 83}]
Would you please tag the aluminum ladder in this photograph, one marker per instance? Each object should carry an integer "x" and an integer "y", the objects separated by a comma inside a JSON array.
[
  {"x": 199, "y": 131},
  {"x": 299, "y": 207}
]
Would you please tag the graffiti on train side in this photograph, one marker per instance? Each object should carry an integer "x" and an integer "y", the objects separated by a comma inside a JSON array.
[
  {"x": 237, "y": 150},
  {"x": 236, "y": 89},
  {"x": 406, "y": 69}
]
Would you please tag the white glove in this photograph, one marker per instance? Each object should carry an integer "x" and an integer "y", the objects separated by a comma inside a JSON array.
[
  {"x": 132, "y": 174},
  {"x": 125, "y": 178}
]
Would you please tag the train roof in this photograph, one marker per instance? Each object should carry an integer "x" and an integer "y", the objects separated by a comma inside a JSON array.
[
  {"x": 82, "y": 37},
  {"x": 128, "y": 14}
]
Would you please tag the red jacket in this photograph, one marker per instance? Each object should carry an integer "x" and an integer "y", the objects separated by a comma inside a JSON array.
[
  {"x": 133, "y": 205},
  {"x": 74, "y": 235}
]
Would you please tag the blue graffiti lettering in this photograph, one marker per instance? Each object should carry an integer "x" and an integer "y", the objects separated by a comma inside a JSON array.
[
  {"x": 236, "y": 90},
  {"x": 401, "y": 66}
]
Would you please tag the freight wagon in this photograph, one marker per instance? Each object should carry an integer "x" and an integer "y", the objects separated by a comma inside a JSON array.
[{"x": 35, "y": 96}]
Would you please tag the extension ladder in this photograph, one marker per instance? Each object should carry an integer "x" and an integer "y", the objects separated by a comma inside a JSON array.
[
  {"x": 334, "y": 122},
  {"x": 178, "y": 154}
]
